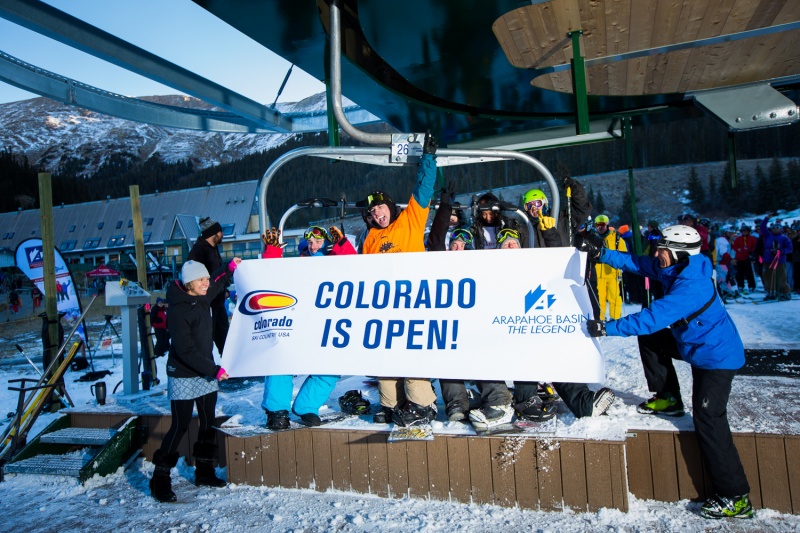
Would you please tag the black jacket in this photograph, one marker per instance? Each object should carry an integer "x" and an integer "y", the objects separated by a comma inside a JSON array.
[{"x": 190, "y": 327}]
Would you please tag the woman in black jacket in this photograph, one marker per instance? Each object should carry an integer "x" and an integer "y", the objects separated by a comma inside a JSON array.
[{"x": 193, "y": 375}]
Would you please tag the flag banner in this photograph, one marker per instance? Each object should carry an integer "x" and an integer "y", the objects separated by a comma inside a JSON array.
[
  {"x": 500, "y": 315},
  {"x": 30, "y": 257}
]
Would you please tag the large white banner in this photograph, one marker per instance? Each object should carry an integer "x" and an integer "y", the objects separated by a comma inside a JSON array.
[{"x": 489, "y": 315}]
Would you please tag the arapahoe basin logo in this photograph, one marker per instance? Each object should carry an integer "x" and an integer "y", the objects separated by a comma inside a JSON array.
[{"x": 262, "y": 301}]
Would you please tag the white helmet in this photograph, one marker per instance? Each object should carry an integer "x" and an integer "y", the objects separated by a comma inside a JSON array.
[{"x": 680, "y": 239}]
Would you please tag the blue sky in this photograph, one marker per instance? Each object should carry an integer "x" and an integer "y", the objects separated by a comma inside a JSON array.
[{"x": 177, "y": 30}]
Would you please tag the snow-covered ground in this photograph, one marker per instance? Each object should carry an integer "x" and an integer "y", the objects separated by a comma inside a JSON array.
[{"x": 122, "y": 500}]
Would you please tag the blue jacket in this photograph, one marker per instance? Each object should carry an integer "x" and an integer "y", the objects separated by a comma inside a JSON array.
[
  {"x": 710, "y": 341},
  {"x": 774, "y": 243}
]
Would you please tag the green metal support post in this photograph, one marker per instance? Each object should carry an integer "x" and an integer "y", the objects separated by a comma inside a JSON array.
[
  {"x": 637, "y": 242},
  {"x": 579, "y": 84}
]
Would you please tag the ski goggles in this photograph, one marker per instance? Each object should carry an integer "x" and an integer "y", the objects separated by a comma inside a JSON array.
[
  {"x": 316, "y": 232},
  {"x": 507, "y": 233},
  {"x": 377, "y": 199},
  {"x": 534, "y": 203},
  {"x": 461, "y": 235},
  {"x": 600, "y": 224}
]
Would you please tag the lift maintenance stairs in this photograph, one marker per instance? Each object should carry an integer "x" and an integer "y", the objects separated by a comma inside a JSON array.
[{"x": 79, "y": 452}]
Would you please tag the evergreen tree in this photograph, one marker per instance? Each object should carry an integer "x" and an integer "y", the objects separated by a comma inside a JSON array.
[
  {"x": 713, "y": 194},
  {"x": 777, "y": 186},
  {"x": 697, "y": 194},
  {"x": 591, "y": 196},
  {"x": 601, "y": 204},
  {"x": 763, "y": 198}
]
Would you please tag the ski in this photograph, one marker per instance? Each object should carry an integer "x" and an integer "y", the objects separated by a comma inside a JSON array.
[
  {"x": 762, "y": 302},
  {"x": 421, "y": 432}
]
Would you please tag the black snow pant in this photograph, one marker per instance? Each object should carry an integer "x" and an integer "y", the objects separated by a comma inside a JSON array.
[
  {"x": 219, "y": 322},
  {"x": 578, "y": 397},
  {"x": 744, "y": 272},
  {"x": 182, "y": 416},
  {"x": 710, "y": 392},
  {"x": 162, "y": 341},
  {"x": 454, "y": 393}
]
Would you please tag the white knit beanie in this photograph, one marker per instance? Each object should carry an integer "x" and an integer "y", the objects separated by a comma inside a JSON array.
[{"x": 193, "y": 270}]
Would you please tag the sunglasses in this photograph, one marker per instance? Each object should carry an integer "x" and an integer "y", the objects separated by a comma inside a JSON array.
[
  {"x": 506, "y": 233},
  {"x": 534, "y": 203},
  {"x": 316, "y": 232},
  {"x": 462, "y": 235}
]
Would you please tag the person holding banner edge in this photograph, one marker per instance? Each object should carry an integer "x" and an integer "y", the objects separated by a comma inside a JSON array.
[
  {"x": 404, "y": 401},
  {"x": 702, "y": 334},
  {"x": 315, "y": 389},
  {"x": 193, "y": 376}
]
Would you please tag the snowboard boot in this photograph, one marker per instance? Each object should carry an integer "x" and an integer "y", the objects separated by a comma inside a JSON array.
[
  {"x": 547, "y": 392},
  {"x": 770, "y": 296},
  {"x": 353, "y": 403},
  {"x": 490, "y": 416},
  {"x": 204, "y": 452},
  {"x": 412, "y": 414},
  {"x": 718, "y": 507},
  {"x": 455, "y": 413},
  {"x": 662, "y": 404},
  {"x": 277, "y": 420},
  {"x": 309, "y": 419},
  {"x": 160, "y": 483},
  {"x": 535, "y": 409},
  {"x": 785, "y": 297},
  {"x": 603, "y": 399},
  {"x": 383, "y": 416}
]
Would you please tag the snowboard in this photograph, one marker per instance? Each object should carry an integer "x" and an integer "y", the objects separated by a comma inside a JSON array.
[
  {"x": 415, "y": 432},
  {"x": 329, "y": 418}
]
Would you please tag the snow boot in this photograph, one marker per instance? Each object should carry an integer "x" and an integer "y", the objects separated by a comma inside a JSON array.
[
  {"x": 603, "y": 399},
  {"x": 535, "y": 409},
  {"x": 353, "y": 403},
  {"x": 204, "y": 452},
  {"x": 662, "y": 404},
  {"x": 160, "y": 483},
  {"x": 277, "y": 420},
  {"x": 718, "y": 507},
  {"x": 414, "y": 414}
]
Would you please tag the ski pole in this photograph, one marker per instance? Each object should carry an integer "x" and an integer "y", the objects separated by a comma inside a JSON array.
[
  {"x": 647, "y": 290},
  {"x": 569, "y": 214}
]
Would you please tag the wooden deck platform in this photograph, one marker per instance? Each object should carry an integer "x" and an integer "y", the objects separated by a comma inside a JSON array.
[{"x": 541, "y": 473}]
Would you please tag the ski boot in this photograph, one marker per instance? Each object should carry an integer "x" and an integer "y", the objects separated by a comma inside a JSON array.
[
  {"x": 662, "y": 404},
  {"x": 718, "y": 507}
]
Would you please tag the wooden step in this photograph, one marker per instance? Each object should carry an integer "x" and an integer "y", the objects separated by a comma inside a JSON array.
[{"x": 82, "y": 436}]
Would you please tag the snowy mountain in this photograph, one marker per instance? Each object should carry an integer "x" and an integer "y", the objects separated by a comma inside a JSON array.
[{"x": 49, "y": 133}]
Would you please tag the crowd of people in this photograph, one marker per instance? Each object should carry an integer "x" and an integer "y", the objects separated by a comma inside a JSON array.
[{"x": 677, "y": 263}]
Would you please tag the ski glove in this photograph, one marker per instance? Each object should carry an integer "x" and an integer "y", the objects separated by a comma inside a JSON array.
[
  {"x": 429, "y": 146},
  {"x": 272, "y": 238},
  {"x": 448, "y": 193},
  {"x": 590, "y": 245},
  {"x": 597, "y": 328},
  {"x": 336, "y": 234}
]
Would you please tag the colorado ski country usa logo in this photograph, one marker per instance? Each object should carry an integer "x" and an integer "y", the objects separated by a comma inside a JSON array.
[{"x": 258, "y": 302}]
